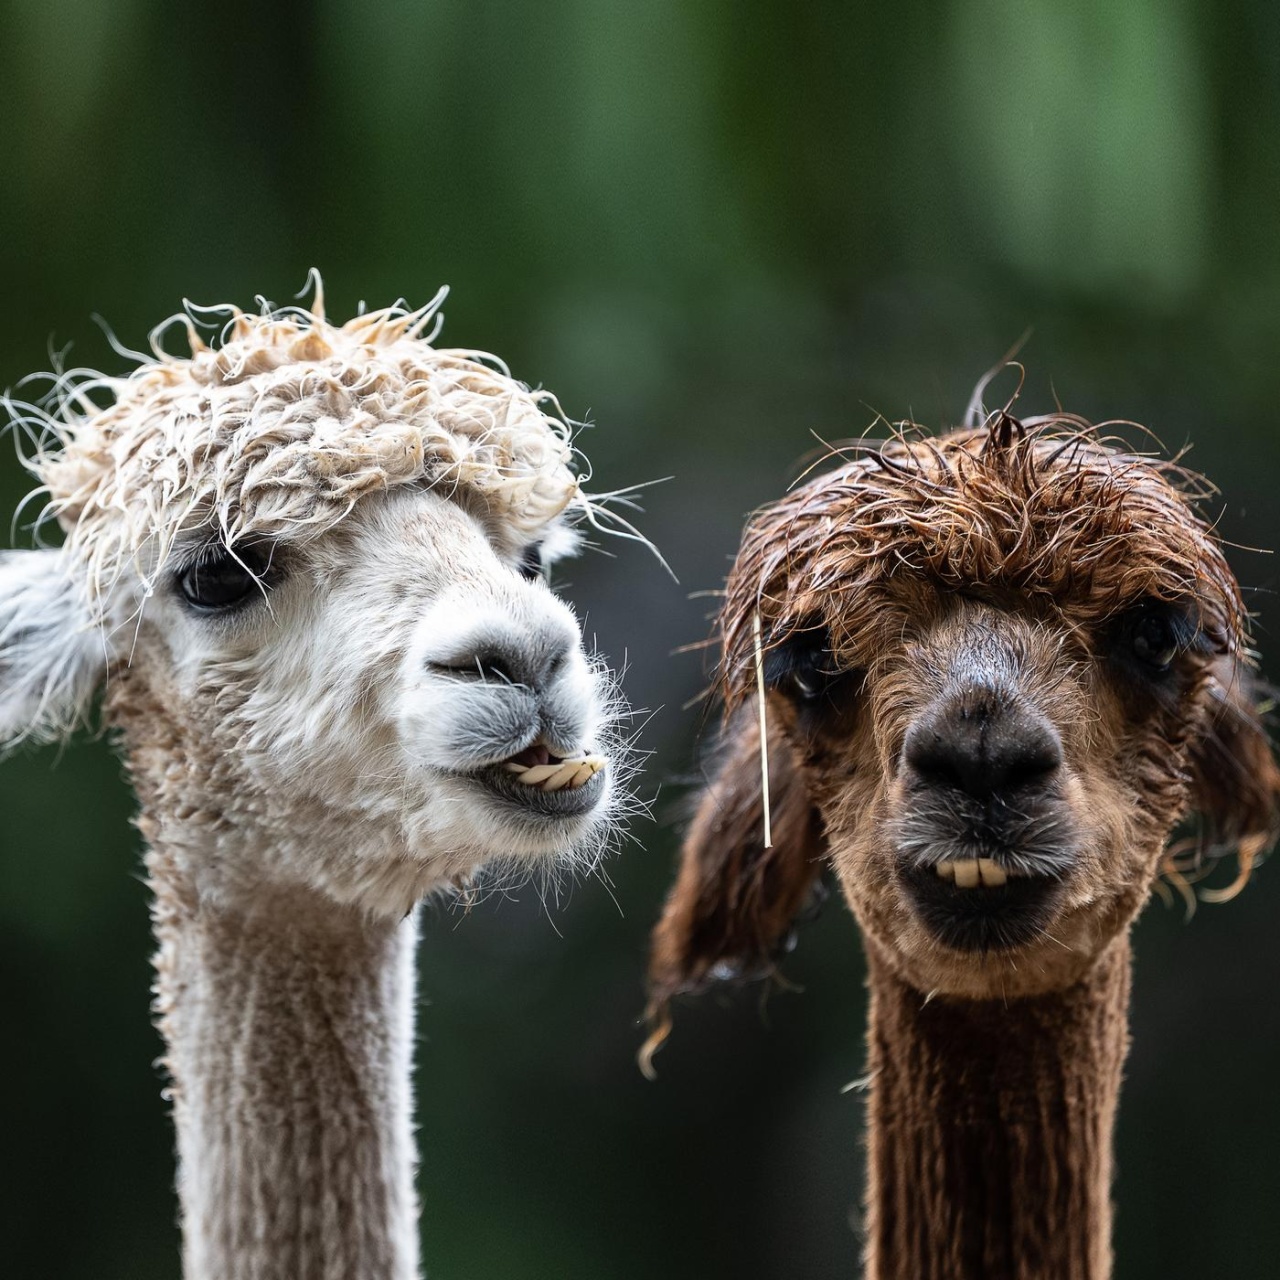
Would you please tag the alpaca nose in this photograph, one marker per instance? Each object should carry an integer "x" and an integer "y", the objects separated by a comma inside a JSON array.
[
  {"x": 501, "y": 654},
  {"x": 983, "y": 745}
]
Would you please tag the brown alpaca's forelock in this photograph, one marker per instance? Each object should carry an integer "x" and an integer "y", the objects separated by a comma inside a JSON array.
[{"x": 1044, "y": 509}]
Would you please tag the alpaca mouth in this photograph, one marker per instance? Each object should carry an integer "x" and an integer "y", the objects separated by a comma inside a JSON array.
[
  {"x": 980, "y": 904},
  {"x": 981, "y": 875},
  {"x": 537, "y": 766},
  {"x": 539, "y": 782}
]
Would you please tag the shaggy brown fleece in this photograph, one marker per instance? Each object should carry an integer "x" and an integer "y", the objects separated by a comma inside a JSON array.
[{"x": 990, "y": 1124}]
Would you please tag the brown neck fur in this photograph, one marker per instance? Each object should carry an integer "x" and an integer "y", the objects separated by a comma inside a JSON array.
[{"x": 990, "y": 1129}]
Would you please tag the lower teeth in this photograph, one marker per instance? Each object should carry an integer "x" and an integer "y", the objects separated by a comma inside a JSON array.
[
  {"x": 566, "y": 775},
  {"x": 968, "y": 873}
]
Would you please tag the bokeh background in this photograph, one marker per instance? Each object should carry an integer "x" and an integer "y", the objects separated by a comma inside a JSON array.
[{"x": 712, "y": 228}]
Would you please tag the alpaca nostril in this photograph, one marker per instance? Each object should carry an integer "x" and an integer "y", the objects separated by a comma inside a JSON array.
[
  {"x": 1034, "y": 763},
  {"x": 495, "y": 666},
  {"x": 983, "y": 756},
  {"x": 487, "y": 666},
  {"x": 933, "y": 762},
  {"x": 530, "y": 661}
]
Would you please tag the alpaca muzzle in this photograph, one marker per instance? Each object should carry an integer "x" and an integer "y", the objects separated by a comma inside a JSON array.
[
  {"x": 539, "y": 780},
  {"x": 983, "y": 835}
]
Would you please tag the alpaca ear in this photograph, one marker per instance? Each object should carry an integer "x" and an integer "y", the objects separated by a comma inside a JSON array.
[
  {"x": 734, "y": 901},
  {"x": 51, "y": 653},
  {"x": 1236, "y": 785}
]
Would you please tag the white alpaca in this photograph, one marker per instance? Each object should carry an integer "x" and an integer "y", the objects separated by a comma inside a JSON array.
[{"x": 306, "y": 566}]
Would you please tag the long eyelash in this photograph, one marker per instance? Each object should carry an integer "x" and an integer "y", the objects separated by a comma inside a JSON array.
[
  {"x": 1186, "y": 630},
  {"x": 198, "y": 557},
  {"x": 1187, "y": 634},
  {"x": 256, "y": 558}
]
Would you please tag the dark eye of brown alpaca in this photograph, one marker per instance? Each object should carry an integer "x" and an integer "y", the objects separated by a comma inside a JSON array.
[
  {"x": 802, "y": 667},
  {"x": 1155, "y": 633},
  {"x": 1154, "y": 642},
  {"x": 531, "y": 567},
  {"x": 219, "y": 581}
]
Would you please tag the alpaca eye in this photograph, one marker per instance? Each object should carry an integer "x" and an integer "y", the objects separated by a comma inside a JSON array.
[
  {"x": 531, "y": 566},
  {"x": 806, "y": 683},
  {"x": 802, "y": 667},
  {"x": 1154, "y": 639},
  {"x": 218, "y": 580}
]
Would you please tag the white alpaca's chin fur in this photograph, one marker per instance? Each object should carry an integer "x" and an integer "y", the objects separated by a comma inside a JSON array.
[{"x": 486, "y": 830}]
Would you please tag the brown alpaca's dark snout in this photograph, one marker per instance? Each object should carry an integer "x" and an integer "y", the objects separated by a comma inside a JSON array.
[{"x": 978, "y": 743}]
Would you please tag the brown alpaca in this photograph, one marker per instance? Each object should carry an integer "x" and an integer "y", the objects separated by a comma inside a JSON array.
[{"x": 999, "y": 668}]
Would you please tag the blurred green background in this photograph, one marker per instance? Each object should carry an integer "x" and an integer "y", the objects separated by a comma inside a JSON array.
[{"x": 712, "y": 228}]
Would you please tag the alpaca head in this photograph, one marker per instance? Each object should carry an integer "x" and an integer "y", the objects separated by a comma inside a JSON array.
[
  {"x": 1001, "y": 667},
  {"x": 308, "y": 566}
]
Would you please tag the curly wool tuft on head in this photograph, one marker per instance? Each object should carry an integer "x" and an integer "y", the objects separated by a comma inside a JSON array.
[
  {"x": 279, "y": 429},
  {"x": 1047, "y": 508}
]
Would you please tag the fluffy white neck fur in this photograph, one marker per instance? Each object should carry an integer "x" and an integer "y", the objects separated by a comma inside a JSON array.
[{"x": 289, "y": 1027}]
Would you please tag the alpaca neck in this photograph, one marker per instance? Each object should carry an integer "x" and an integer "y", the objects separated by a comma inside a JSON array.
[
  {"x": 288, "y": 1024},
  {"x": 991, "y": 1130}
]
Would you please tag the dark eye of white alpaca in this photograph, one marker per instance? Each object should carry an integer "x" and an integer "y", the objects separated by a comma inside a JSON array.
[
  {"x": 218, "y": 581},
  {"x": 531, "y": 567}
]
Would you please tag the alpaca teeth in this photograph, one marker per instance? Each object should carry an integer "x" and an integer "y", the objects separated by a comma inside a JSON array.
[
  {"x": 968, "y": 873},
  {"x": 557, "y": 777},
  {"x": 573, "y": 773},
  {"x": 538, "y": 773},
  {"x": 992, "y": 874},
  {"x": 562, "y": 777}
]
